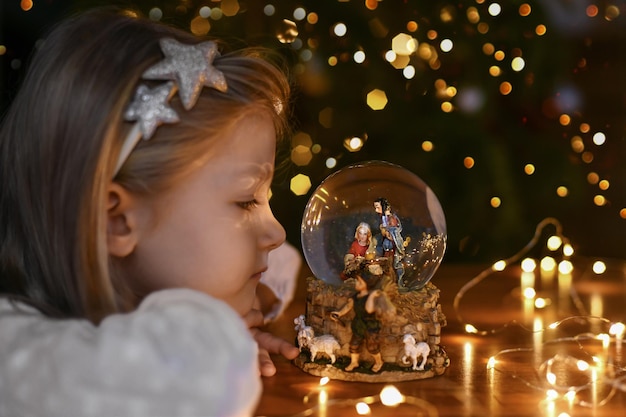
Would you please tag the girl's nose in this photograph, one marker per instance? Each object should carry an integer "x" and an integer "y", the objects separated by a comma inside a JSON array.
[{"x": 274, "y": 234}]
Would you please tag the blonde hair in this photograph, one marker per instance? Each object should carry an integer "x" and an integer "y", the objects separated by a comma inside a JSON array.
[{"x": 61, "y": 138}]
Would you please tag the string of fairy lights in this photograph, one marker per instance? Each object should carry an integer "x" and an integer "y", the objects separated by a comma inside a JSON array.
[{"x": 590, "y": 365}]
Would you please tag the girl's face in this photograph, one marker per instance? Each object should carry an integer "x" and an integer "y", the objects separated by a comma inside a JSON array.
[
  {"x": 214, "y": 230},
  {"x": 362, "y": 236}
]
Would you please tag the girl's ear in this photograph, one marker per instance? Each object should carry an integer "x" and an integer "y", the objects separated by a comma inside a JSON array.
[{"x": 122, "y": 230}]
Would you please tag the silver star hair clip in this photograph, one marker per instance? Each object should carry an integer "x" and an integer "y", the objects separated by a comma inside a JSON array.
[{"x": 188, "y": 68}]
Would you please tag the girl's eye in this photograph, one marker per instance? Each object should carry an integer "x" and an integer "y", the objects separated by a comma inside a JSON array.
[{"x": 247, "y": 205}]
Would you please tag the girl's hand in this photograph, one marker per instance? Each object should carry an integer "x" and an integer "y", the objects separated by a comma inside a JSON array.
[{"x": 268, "y": 344}]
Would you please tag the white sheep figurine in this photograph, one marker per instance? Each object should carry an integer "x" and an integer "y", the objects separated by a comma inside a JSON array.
[
  {"x": 413, "y": 350},
  {"x": 325, "y": 343},
  {"x": 321, "y": 344}
]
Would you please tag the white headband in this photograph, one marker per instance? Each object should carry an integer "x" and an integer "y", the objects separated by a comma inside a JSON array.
[{"x": 188, "y": 68}]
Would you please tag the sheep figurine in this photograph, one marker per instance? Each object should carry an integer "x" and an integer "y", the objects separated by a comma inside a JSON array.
[
  {"x": 305, "y": 333},
  {"x": 413, "y": 350},
  {"x": 325, "y": 343}
]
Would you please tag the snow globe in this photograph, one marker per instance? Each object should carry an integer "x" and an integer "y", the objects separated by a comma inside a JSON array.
[{"x": 373, "y": 235}]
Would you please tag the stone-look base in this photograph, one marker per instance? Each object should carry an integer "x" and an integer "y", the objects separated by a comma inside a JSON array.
[
  {"x": 417, "y": 313},
  {"x": 363, "y": 373}
]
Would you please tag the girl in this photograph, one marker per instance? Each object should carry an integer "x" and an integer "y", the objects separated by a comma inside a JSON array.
[{"x": 135, "y": 165}]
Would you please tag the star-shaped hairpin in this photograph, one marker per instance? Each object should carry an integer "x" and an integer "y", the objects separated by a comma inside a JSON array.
[
  {"x": 191, "y": 66},
  {"x": 150, "y": 108}
]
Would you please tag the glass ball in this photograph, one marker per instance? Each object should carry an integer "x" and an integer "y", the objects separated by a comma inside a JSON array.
[{"x": 374, "y": 211}]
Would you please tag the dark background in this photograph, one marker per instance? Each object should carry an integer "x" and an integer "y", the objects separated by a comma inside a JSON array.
[{"x": 577, "y": 68}]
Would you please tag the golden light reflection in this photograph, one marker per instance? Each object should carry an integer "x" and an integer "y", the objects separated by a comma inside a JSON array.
[
  {"x": 577, "y": 144},
  {"x": 599, "y": 200},
  {"x": 562, "y": 191},
  {"x": 403, "y": 44},
  {"x": 593, "y": 178},
  {"x": 494, "y": 71},
  {"x": 529, "y": 169},
  {"x": 524, "y": 9},
  {"x": 376, "y": 99},
  {"x": 541, "y": 30},
  {"x": 495, "y": 202},
  {"x": 412, "y": 26},
  {"x": 468, "y": 162},
  {"x": 506, "y": 88},
  {"x": 390, "y": 396},
  {"x": 230, "y": 7},
  {"x": 300, "y": 184},
  {"x": 427, "y": 146}
]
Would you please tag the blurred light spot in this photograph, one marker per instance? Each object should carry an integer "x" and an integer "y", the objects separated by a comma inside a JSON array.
[
  {"x": 156, "y": 14},
  {"x": 326, "y": 117},
  {"x": 584, "y": 127},
  {"x": 269, "y": 10},
  {"x": 301, "y": 155},
  {"x": 499, "y": 266},
  {"x": 604, "y": 185},
  {"x": 541, "y": 303},
  {"x": 446, "y": 45},
  {"x": 403, "y": 44},
  {"x": 517, "y": 64},
  {"x": 593, "y": 178},
  {"x": 200, "y": 26},
  {"x": 312, "y": 18},
  {"x": 353, "y": 144},
  {"x": 376, "y": 99},
  {"x": 524, "y": 9},
  {"x": 300, "y": 184},
  {"x": 528, "y": 265},
  {"x": 495, "y": 202},
  {"x": 564, "y": 119},
  {"x": 447, "y": 107},
  {"x": 361, "y": 407},
  {"x": 401, "y": 61},
  {"x": 371, "y": 4},
  {"x": 390, "y": 396},
  {"x": 499, "y": 55},
  {"x": 611, "y": 12},
  {"x": 622, "y": 213},
  {"x": 299, "y": 13},
  {"x": 494, "y": 9},
  {"x": 599, "y": 138},
  {"x": 306, "y": 55},
  {"x": 541, "y": 30},
  {"x": 26, "y": 5},
  {"x": 529, "y": 169},
  {"x": 599, "y": 200},
  {"x": 568, "y": 250},
  {"x": 331, "y": 163},
  {"x": 565, "y": 267},
  {"x": 446, "y": 14},
  {"x": 340, "y": 29},
  {"x": 470, "y": 99},
  {"x": 483, "y": 28},
  {"x": 230, "y": 7},
  {"x": 547, "y": 263},
  {"x": 554, "y": 242},
  {"x": 412, "y": 26},
  {"x": 301, "y": 138},
  {"x": 427, "y": 146},
  {"x": 577, "y": 144},
  {"x": 472, "y": 15},
  {"x": 332, "y": 61},
  {"x": 587, "y": 157},
  {"x": 316, "y": 148},
  {"x": 216, "y": 13},
  {"x": 359, "y": 57},
  {"x": 431, "y": 34},
  {"x": 287, "y": 31},
  {"x": 488, "y": 49},
  {"x": 494, "y": 71},
  {"x": 592, "y": 10},
  {"x": 468, "y": 162},
  {"x": 599, "y": 267},
  {"x": 408, "y": 72},
  {"x": 562, "y": 191},
  {"x": 205, "y": 11},
  {"x": 506, "y": 88}
]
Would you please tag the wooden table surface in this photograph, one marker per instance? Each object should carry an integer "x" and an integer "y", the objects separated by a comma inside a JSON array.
[{"x": 517, "y": 384}]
